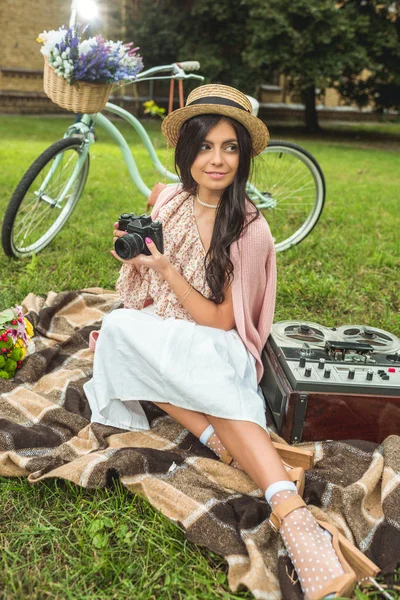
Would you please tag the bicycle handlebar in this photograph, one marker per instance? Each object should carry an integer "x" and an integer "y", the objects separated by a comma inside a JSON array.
[
  {"x": 178, "y": 72},
  {"x": 190, "y": 65},
  {"x": 178, "y": 69}
]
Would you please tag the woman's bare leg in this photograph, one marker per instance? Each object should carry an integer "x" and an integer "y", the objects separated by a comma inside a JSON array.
[
  {"x": 251, "y": 445},
  {"x": 193, "y": 421},
  {"x": 196, "y": 423}
]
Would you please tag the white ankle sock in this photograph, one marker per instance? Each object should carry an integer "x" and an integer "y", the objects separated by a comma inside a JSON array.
[
  {"x": 210, "y": 439},
  {"x": 207, "y": 433},
  {"x": 278, "y": 486}
]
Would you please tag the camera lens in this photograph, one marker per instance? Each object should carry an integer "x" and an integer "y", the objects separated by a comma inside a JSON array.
[{"x": 129, "y": 246}]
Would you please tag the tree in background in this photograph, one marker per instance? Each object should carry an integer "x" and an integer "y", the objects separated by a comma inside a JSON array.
[
  {"x": 312, "y": 43},
  {"x": 316, "y": 44},
  {"x": 158, "y": 30},
  {"x": 204, "y": 30},
  {"x": 378, "y": 31}
]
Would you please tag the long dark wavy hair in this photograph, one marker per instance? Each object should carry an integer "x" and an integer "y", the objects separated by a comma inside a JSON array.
[{"x": 232, "y": 212}]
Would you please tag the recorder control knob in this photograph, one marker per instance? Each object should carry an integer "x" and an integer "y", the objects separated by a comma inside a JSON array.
[
  {"x": 327, "y": 373},
  {"x": 351, "y": 374},
  {"x": 321, "y": 363},
  {"x": 370, "y": 374},
  {"x": 302, "y": 362},
  {"x": 307, "y": 372}
]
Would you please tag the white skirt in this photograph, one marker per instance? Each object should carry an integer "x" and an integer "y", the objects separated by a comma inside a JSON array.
[{"x": 140, "y": 356}]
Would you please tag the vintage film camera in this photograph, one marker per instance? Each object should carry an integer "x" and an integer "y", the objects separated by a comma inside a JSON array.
[
  {"x": 138, "y": 228},
  {"x": 340, "y": 383}
]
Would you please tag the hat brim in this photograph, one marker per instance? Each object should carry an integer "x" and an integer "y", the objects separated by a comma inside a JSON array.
[{"x": 172, "y": 124}]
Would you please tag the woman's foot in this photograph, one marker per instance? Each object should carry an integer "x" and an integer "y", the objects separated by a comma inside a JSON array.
[
  {"x": 215, "y": 444},
  {"x": 308, "y": 545},
  {"x": 326, "y": 563}
]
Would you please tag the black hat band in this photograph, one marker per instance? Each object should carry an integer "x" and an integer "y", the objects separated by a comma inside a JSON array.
[{"x": 218, "y": 100}]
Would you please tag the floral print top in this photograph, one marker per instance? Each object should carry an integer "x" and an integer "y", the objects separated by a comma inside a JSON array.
[{"x": 183, "y": 246}]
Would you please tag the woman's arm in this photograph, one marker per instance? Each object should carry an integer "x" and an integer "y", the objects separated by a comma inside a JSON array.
[{"x": 204, "y": 312}]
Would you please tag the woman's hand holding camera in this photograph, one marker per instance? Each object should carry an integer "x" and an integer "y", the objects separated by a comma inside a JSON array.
[{"x": 156, "y": 261}]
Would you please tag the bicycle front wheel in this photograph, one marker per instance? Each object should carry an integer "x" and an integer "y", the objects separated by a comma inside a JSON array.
[
  {"x": 45, "y": 198},
  {"x": 289, "y": 191}
]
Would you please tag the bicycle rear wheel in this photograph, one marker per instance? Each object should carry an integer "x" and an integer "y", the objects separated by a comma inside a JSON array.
[
  {"x": 45, "y": 198},
  {"x": 290, "y": 191}
]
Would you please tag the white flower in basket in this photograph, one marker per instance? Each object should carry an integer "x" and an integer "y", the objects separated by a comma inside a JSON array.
[{"x": 79, "y": 73}]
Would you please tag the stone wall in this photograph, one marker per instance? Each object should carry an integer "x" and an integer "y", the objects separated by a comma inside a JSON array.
[
  {"x": 21, "y": 22},
  {"x": 21, "y": 63}
]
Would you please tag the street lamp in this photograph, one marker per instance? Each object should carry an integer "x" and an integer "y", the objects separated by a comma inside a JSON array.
[{"x": 86, "y": 9}]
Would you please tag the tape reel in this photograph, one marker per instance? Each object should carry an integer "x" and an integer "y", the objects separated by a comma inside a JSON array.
[
  {"x": 297, "y": 333},
  {"x": 381, "y": 340}
]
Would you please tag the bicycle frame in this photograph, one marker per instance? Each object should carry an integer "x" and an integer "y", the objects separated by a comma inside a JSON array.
[
  {"x": 85, "y": 128},
  {"x": 261, "y": 200},
  {"x": 119, "y": 139}
]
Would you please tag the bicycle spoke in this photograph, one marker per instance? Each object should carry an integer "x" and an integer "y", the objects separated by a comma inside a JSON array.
[
  {"x": 281, "y": 206},
  {"x": 32, "y": 220},
  {"x": 66, "y": 175},
  {"x": 291, "y": 185},
  {"x": 285, "y": 177},
  {"x": 36, "y": 221},
  {"x": 23, "y": 224},
  {"x": 304, "y": 178},
  {"x": 297, "y": 193},
  {"x": 287, "y": 182}
]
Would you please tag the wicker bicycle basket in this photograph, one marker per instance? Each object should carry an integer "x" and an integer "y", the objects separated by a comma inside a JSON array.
[{"x": 80, "y": 97}]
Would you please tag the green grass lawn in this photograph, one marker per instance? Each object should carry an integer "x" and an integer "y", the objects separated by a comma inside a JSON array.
[{"x": 345, "y": 272}]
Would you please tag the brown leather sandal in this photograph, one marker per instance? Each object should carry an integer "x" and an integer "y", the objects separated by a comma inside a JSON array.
[
  {"x": 356, "y": 566},
  {"x": 226, "y": 457},
  {"x": 296, "y": 475},
  {"x": 295, "y": 456}
]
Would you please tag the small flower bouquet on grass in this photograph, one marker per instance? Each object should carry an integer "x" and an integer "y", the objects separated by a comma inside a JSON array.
[
  {"x": 79, "y": 73},
  {"x": 15, "y": 334}
]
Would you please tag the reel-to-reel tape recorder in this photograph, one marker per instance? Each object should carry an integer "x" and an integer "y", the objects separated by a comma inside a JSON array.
[{"x": 339, "y": 383}]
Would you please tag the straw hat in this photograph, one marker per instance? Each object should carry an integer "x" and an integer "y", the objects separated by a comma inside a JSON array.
[{"x": 221, "y": 100}]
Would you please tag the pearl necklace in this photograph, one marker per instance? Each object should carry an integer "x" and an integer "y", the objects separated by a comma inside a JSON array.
[{"x": 205, "y": 203}]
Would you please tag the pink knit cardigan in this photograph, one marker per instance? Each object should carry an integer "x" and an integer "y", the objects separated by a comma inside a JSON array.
[{"x": 254, "y": 281}]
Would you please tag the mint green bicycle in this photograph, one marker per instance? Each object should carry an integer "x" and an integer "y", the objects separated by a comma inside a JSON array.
[{"x": 288, "y": 185}]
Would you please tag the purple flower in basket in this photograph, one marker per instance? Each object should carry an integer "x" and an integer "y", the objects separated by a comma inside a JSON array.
[{"x": 93, "y": 60}]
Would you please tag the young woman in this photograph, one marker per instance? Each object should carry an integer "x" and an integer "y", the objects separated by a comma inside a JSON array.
[{"x": 195, "y": 321}]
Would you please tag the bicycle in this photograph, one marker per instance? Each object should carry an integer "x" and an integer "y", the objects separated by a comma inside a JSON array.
[{"x": 288, "y": 188}]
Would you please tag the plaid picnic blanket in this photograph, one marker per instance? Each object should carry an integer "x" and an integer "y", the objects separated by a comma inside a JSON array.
[{"x": 45, "y": 432}]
